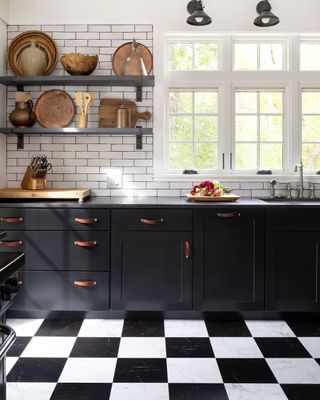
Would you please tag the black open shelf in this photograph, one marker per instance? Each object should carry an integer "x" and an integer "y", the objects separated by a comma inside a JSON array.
[
  {"x": 91, "y": 80},
  {"x": 20, "y": 132}
]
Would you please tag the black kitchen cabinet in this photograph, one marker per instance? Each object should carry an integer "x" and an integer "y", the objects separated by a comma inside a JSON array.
[
  {"x": 292, "y": 274},
  {"x": 292, "y": 279},
  {"x": 62, "y": 291},
  {"x": 151, "y": 271},
  {"x": 61, "y": 250},
  {"x": 229, "y": 259}
]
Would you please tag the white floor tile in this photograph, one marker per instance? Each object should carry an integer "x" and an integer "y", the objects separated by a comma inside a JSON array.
[
  {"x": 236, "y": 347},
  {"x": 10, "y": 361},
  {"x": 185, "y": 328},
  {"x": 25, "y": 327},
  {"x": 88, "y": 370},
  {"x": 269, "y": 329},
  {"x": 134, "y": 391},
  {"x": 251, "y": 391},
  {"x": 146, "y": 347},
  {"x": 295, "y": 370},
  {"x": 52, "y": 347},
  {"x": 312, "y": 344},
  {"x": 101, "y": 328},
  {"x": 193, "y": 370},
  {"x": 29, "y": 391}
]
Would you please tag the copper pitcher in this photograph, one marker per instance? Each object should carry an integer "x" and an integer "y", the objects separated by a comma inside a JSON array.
[
  {"x": 134, "y": 64},
  {"x": 23, "y": 116}
]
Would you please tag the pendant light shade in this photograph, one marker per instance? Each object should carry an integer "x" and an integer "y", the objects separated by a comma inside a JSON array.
[
  {"x": 266, "y": 17},
  {"x": 197, "y": 16}
]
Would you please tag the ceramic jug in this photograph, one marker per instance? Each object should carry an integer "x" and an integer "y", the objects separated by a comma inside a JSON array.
[
  {"x": 33, "y": 60},
  {"x": 23, "y": 116}
]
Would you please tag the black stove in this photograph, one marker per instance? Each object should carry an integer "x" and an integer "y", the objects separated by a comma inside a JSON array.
[{"x": 9, "y": 264}]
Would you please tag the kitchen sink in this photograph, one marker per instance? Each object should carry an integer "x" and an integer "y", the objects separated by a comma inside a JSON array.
[{"x": 285, "y": 200}]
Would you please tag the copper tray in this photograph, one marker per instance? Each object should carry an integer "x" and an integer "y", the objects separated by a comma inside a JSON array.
[
  {"x": 225, "y": 197},
  {"x": 55, "y": 109},
  {"x": 123, "y": 52},
  {"x": 20, "y": 42}
]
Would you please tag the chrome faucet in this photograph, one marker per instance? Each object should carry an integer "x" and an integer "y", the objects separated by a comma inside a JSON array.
[{"x": 299, "y": 168}]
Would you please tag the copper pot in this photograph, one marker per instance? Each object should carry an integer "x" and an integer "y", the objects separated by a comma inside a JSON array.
[{"x": 23, "y": 116}]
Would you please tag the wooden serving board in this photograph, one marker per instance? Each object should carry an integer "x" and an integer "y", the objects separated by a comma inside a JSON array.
[
  {"x": 226, "y": 197},
  {"x": 109, "y": 108},
  {"x": 48, "y": 194}
]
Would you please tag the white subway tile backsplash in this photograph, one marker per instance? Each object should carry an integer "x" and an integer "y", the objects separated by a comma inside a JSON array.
[{"x": 84, "y": 161}]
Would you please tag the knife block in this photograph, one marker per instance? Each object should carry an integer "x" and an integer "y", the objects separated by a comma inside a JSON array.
[{"x": 30, "y": 183}]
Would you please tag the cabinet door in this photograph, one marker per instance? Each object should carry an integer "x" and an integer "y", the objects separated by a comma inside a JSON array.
[
  {"x": 151, "y": 271},
  {"x": 229, "y": 260},
  {"x": 293, "y": 271}
]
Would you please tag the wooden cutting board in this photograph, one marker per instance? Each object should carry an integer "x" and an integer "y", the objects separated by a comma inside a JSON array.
[
  {"x": 48, "y": 194},
  {"x": 225, "y": 197},
  {"x": 109, "y": 108}
]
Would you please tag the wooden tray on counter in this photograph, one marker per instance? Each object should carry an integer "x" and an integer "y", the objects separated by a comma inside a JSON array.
[
  {"x": 48, "y": 194},
  {"x": 226, "y": 197}
]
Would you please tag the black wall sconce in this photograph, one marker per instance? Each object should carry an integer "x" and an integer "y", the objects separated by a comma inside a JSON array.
[
  {"x": 266, "y": 17},
  {"x": 197, "y": 16}
]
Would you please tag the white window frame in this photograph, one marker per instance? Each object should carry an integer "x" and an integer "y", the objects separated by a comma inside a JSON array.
[
  {"x": 308, "y": 40},
  {"x": 292, "y": 80},
  {"x": 268, "y": 86},
  {"x": 306, "y": 86}
]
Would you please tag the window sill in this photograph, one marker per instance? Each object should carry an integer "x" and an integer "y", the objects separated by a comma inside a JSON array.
[{"x": 235, "y": 177}]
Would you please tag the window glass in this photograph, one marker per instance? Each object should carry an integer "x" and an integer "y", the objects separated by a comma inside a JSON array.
[
  {"x": 193, "y": 129},
  {"x": 310, "y": 56},
  {"x": 259, "y": 130},
  {"x": 311, "y": 129},
  {"x": 258, "y": 56},
  {"x": 194, "y": 56}
]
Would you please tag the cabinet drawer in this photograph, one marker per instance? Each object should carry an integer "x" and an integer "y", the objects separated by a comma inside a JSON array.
[
  {"x": 148, "y": 219},
  {"x": 54, "y": 219},
  {"x": 61, "y": 291},
  {"x": 299, "y": 219},
  {"x": 60, "y": 250}
]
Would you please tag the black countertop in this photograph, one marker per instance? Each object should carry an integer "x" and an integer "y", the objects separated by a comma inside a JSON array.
[{"x": 155, "y": 202}]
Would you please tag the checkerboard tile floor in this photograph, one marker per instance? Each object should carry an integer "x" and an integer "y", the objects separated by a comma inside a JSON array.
[{"x": 164, "y": 360}]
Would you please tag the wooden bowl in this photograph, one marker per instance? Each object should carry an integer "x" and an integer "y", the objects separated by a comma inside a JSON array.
[{"x": 79, "y": 64}]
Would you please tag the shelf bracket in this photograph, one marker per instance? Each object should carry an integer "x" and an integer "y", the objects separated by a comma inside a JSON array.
[
  {"x": 20, "y": 87},
  {"x": 139, "y": 139},
  {"x": 20, "y": 144},
  {"x": 139, "y": 92}
]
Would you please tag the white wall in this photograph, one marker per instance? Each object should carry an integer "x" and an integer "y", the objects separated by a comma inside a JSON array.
[
  {"x": 227, "y": 15},
  {"x": 3, "y": 49},
  {"x": 4, "y": 10}
]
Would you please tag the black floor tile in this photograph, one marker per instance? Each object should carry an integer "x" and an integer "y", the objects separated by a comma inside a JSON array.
[
  {"x": 81, "y": 391},
  {"x": 18, "y": 346},
  {"x": 143, "y": 328},
  {"x": 95, "y": 347},
  {"x": 183, "y": 391},
  {"x": 57, "y": 327},
  {"x": 318, "y": 360},
  {"x": 282, "y": 348},
  {"x": 237, "y": 370},
  {"x": 308, "y": 328},
  {"x": 37, "y": 370},
  {"x": 227, "y": 328},
  {"x": 141, "y": 370},
  {"x": 189, "y": 347},
  {"x": 302, "y": 392}
]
